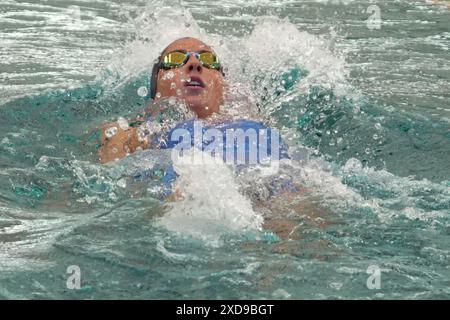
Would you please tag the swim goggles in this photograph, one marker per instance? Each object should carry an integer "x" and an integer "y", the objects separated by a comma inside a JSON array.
[{"x": 177, "y": 59}]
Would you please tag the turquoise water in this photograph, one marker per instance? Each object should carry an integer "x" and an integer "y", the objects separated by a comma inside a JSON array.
[{"x": 365, "y": 111}]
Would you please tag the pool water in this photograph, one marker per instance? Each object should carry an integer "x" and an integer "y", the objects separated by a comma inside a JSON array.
[{"x": 362, "y": 102}]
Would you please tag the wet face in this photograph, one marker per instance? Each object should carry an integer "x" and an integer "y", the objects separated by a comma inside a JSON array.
[{"x": 199, "y": 87}]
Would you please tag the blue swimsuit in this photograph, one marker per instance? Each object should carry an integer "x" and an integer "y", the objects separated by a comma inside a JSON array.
[
  {"x": 241, "y": 143},
  {"x": 228, "y": 135}
]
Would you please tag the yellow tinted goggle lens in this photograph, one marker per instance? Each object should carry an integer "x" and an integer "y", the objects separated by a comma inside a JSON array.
[
  {"x": 209, "y": 59},
  {"x": 177, "y": 59}
]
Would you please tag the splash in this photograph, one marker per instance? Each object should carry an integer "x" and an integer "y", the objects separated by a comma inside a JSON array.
[
  {"x": 209, "y": 203},
  {"x": 272, "y": 47}
]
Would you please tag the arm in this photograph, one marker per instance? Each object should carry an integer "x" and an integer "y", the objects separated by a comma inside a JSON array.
[
  {"x": 117, "y": 143},
  {"x": 126, "y": 141}
]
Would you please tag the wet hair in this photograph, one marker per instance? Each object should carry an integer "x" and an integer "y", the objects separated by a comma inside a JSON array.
[
  {"x": 157, "y": 66},
  {"x": 154, "y": 78}
]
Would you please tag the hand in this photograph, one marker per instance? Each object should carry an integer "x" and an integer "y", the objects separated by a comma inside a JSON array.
[{"x": 118, "y": 142}]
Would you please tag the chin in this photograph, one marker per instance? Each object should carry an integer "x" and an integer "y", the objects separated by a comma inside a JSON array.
[
  {"x": 200, "y": 111},
  {"x": 198, "y": 106}
]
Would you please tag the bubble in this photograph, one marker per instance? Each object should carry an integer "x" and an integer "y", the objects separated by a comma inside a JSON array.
[
  {"x": 158, "y": 95},
  {"x": 142, "y": 91},
  {"x": 123, "y": 123},
  {"x": 375, "y": 137},
  {"x": 172, "y": 101},
  {"x": 173, "y": 85},
  {"x": 114, "y": 150},
  {"x": 141, "y": 135},
  {"x": 178, "y": 92},
  {"x": 122, "y": 183},
  {"x": 110, "y": 132},
  {"x": 353, "y": 164}
]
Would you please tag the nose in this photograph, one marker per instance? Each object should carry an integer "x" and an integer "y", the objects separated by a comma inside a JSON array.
[{"x": 194, "y": 65}]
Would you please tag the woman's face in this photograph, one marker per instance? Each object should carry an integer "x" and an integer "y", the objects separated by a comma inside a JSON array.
[{"x": 199, "y": 87}]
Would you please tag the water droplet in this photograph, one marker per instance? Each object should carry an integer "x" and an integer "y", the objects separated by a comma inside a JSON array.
[
  {"x": 172, "y": 101},
  {"x": 158, "y": 95},
  {"x": 173, "y": 85},
  {"x": 142, "y": 91},
  {"x": 123, "y": 123},
  {"x": 169, "y": 75},
  {"x": 122, "y": 183},
  {"x": 110, "y": 132}
]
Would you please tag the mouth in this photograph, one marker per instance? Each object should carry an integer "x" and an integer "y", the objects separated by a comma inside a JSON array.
[{"x": 194, "y": 83}]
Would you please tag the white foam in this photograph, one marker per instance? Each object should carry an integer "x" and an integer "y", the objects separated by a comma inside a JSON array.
[
  {"x": 156, "y": 27},
  {"x": 404, "y": 191},
  {"x": 211, "y": 204},
  {"x": 274, "y": 45}
]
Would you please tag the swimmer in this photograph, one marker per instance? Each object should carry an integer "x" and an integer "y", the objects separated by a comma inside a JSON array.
[
  {"x": 194, "y": 67},
  {"x": 190, "y": 71}
]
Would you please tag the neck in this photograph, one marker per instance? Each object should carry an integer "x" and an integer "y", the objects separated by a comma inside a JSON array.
[{"x": 204, "y": 112}]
